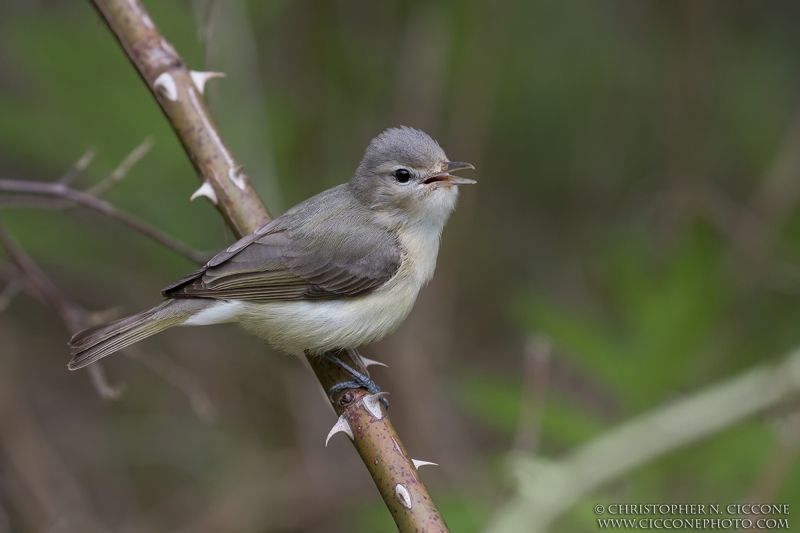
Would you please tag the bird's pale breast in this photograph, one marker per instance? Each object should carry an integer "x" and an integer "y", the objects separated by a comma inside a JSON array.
[{"x": 318, "y": 326}]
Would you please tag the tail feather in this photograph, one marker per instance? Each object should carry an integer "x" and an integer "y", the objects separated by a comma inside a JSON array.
[{"x": 97, "y": 342}]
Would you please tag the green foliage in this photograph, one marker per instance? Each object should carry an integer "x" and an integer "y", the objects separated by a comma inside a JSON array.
[{"x": 657, "y": 319}]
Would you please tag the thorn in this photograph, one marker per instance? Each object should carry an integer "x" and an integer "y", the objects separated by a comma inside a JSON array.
[
  {"x": 372, "y": 404},
  {"x": 165, "y": 84},
  {"x": 402, "y": 495},
  {"x": 205, "y": 190},
  {"x": 418, "y": 463},
  {"x": 342, "y": 425},
  {"x": 233, "y": 174},
  {"x": 369, "y": 362},
  {"x": 201, "y": 77}
]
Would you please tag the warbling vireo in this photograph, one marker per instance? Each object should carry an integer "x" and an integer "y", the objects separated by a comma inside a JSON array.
[{"x": 337, "y": 271}]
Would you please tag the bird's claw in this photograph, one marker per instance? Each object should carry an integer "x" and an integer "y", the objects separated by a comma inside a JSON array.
[{"x": 359, "y": 380}]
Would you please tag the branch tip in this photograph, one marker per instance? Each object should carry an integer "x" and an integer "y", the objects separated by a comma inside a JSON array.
[{"x": 78, "y": 168}]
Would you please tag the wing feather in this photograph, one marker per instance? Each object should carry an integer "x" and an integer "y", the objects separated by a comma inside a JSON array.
[{"x": 292, "y": 259}]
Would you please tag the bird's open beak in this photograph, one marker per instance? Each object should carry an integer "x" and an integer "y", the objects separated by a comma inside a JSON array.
[{"x": 445, "y": 178}]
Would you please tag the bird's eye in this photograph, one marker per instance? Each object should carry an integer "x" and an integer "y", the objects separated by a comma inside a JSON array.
[{"x": 402, "y": 175}]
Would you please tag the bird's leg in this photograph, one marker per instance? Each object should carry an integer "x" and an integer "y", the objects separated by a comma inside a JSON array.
[{"x": 359, "y": 380}]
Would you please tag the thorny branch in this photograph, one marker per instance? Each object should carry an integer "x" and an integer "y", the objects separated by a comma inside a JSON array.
[{"x": 179, "y": 93}]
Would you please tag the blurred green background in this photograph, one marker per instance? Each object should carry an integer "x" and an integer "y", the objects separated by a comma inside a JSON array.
[{"x": 634, "y": 237}]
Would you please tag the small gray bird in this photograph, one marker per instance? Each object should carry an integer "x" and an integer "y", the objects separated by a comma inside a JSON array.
[{"x": 337, "y": 271}]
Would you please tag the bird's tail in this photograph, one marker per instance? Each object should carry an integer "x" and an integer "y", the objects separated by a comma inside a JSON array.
[{"x": 97, "y": 342}]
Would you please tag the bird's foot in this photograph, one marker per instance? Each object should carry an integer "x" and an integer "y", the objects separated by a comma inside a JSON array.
[{"x": 359, "y": 380}]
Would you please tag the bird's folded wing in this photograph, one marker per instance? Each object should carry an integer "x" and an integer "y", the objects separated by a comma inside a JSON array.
[{"x": 286, "y": 261}]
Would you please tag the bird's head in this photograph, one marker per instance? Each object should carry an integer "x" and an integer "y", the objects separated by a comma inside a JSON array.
[{"x": 405, "y": 175}]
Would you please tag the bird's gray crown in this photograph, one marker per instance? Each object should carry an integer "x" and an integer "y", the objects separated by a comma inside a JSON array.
[{"x": 405, "y": 146}]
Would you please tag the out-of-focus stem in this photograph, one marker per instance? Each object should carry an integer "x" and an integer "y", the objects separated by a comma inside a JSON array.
[
  {"x": 546, "y": 489},
  {"x": 74, "y": 196}
]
